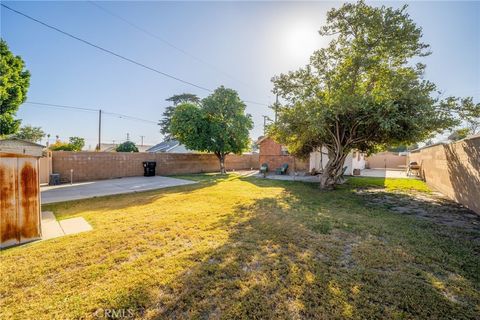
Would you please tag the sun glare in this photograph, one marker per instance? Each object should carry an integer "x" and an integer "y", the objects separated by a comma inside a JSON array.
[{"x": 301, "y": 39}]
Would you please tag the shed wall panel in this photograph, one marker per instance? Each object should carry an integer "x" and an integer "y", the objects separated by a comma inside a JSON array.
[
  {"x": 20, "y": 199},
  {"x": 8, "y": 202},
  {"x": 28, "y": 195}
]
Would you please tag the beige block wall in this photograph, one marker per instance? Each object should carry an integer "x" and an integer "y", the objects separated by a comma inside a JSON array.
[
  {"x": 45, "y": 168},
  {"x": 89, "y": 166},
  {"x": 454, "y": 170},
  {"x": 389, "y": 160}
]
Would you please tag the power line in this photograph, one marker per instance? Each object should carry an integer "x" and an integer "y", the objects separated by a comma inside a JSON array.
[
  {"x": 168, "y": 43},
  {"x": 122, "y": 116},
  {"x": 118, "y": 115},
  {"x": 61, "y": 106},
  {"x": 105, "y": 50},
  {"x": 113, "y": 53}
]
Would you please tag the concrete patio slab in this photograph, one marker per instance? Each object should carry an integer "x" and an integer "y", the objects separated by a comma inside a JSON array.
[
  {"x": 386, "y": 173},
  {"x": 50, "y": 226},
  {"x": 84, "y": 190},
  {"x": 304, "y": 178},
  {"x": 75, "y": 225},
  {"x": 379, "y": 173}
]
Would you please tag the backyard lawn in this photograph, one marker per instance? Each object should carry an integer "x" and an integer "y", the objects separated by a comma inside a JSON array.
[{"x": 244, "y": 247}]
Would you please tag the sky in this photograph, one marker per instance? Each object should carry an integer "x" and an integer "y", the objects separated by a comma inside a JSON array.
[{"x": 240, "y": 45}]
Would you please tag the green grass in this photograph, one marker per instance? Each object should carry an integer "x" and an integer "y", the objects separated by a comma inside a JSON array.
[
  {"x": 230, "y": 247},
  {"x": 389, "y": 184}
]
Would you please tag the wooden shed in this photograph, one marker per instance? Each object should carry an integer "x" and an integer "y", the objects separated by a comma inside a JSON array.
[{"x": 20, "y": 216}]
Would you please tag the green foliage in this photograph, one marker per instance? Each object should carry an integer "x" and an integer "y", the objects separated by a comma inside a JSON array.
[
  {"x": 470, "y": 113},
  {"x": 402, "y": 147},
  {"x": 361, "y": 92},
  {"x": 33, "y": 134},
  {"x": 77, "y": 143},
  {"x": 127, "y": 146},
  {"x": 183, "y": 98},
  {"x": 14, "y": 83},
  {"x": 459, "y": 134},
  {"x": 74, "y": 144},
  {"x": 61, "y": 146},
  {"x": 388, "y": 184},
  {"x": 219, "y": 124},
  {"x": 164, "y": 123}
]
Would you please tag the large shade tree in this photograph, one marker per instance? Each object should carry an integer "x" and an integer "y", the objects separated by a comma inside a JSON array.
[
  {"x": 73, "y": 144},
  {"x": 218, "y": 124},
  {"x": 177, "y": 99},
  {"x": 362, "y": 91},
  {"x": 14, "y": 83}
]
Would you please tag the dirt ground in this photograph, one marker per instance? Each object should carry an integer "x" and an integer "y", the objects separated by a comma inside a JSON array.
[{"x": 433, "y": 206}]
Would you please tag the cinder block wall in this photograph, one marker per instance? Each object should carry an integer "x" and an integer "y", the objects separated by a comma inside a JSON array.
[
  {"x": 271, "y": 153},
  {"x": 89, "y": 166},
  {"x": 454, "y": 170},
  {"x": 389, "y": 160}
]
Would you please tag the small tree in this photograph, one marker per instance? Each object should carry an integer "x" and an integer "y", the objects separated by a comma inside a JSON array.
[
  {"x": 402, "y": 147},
  {"x": 362, "y": 91},
  {"x": 74, "y": 144},
  {"x": 164, "y": 123},
  {"x": 219, "y": 125},
  {"x": 470, "y": 113},
  {"x": 61, "y": 146},
  {"x": 15, "y": 80},
  {"x": 127, "y": 146},
  {"x": 459, "y": 134},
  {"x": 33, "y": 134},
  {"x": 77, "y": 143}
]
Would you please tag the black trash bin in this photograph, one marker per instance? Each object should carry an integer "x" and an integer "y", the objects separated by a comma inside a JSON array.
[
  {"x": 54, "y": 179},
  {"x": 149, "y": 168}
]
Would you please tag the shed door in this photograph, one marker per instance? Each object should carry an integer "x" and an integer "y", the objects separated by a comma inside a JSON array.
[
  {"x": 8, "y": 202},
  {"x": 28, "y": 204},
  {"x": 19, "y": 200}
]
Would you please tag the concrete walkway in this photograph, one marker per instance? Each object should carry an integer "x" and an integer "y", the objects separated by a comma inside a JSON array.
[
  {"x": 379, "y": 173},
  {"x": 84, "y": 190},
  {"x": 386, "y": 173},
  {"x": 51, "y": 228}
]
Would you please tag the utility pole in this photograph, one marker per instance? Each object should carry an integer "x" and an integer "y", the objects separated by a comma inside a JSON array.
[
  {"x": 276, "y": 107},
  {"x": 128, "y": 136},
  {"x": 99, "y": 130},
  {"x": 265, "y": 118},
  {"x": 142, "y": 140}
]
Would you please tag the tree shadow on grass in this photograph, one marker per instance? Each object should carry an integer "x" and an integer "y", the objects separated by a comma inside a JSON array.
[{"x": 282, "y": 262}]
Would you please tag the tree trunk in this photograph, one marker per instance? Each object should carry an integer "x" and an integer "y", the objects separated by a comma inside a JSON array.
[
  {"x": 334, "y": 168},
  {"x": 221, "y": 158}
]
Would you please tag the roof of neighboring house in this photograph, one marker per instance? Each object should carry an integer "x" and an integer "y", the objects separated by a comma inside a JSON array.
[
  {"x": 20, "y": 146},
  {"x": 164, "y": 146},
  {"x": 20, "y": 141},
  {"x": 261, "y": 139},
  {"x": 107, "y": 147}
]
